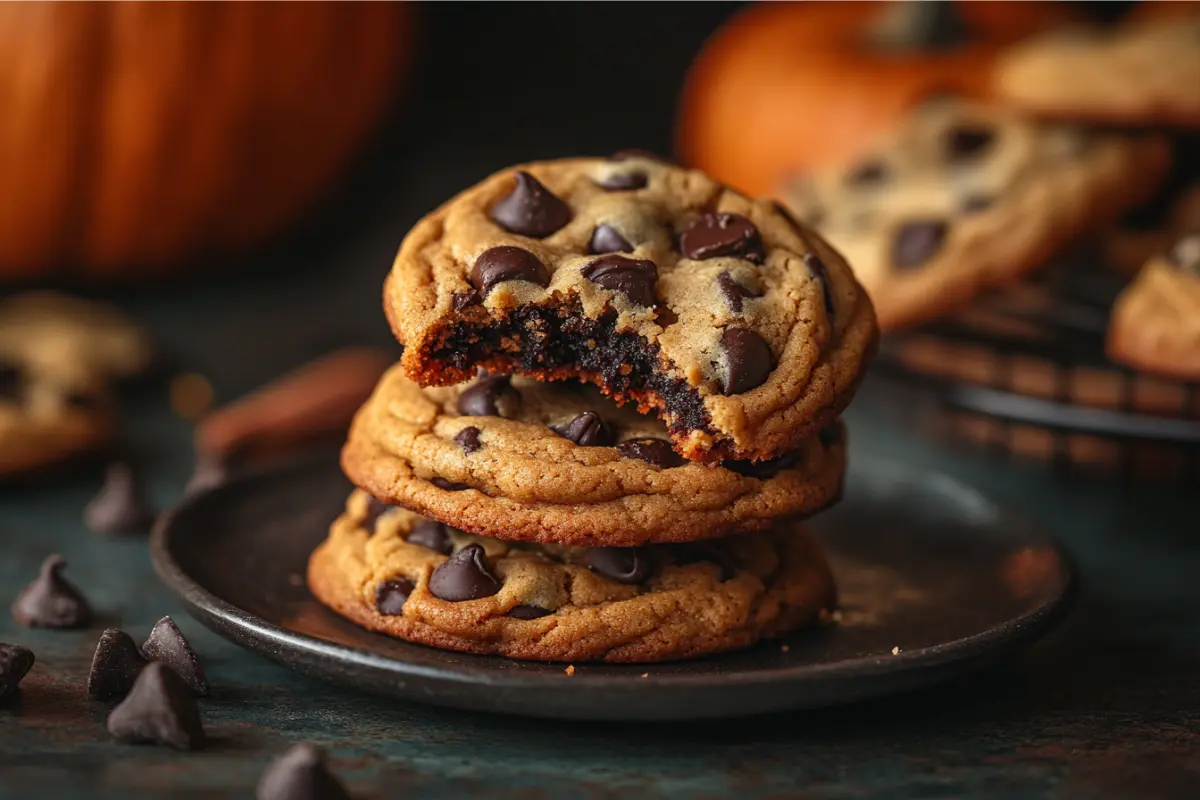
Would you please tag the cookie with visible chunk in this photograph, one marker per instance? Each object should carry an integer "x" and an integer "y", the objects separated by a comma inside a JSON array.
[
  {"x": 425, "y": 582},
  {"x": 517, "y": 459},
  {"x": 964, "y": 196},
  {"x": 746, "y": 332}
]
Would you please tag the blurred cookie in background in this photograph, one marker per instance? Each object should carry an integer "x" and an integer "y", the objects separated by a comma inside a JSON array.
[{"x": 1129, "y": 246}]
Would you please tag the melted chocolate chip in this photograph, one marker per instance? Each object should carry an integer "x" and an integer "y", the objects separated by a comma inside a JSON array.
[
  {"x": 762, "y": 469},
  {"x": 917, "y": 241},
  {"x": 491, "y": 396},
  {"x": 528, "y": 612},
  {"x": 468, "y": 439},
  {"x": 606, "y": 239},
  {"x": 705, "y": 552},
  {"x": 748, "y": 360},
  {"x": 714, "y": 235},
  {"x": 867, "y": 173},
  {"x": 585, "y": 430},
  {"x": 375, "y": 509},
  {"x": 391, "y": 595},
  {"x": 432, "y": 534},
  {"x": 530, "y": 209},
  {"x": 1185, "y": 254},
  {"x": 121, "y": 505},
  {"x": 159, "y": 710},
  {"x": 967, "y": 142},
  {"x": 167, "y": 644},
  {"x": 448, "y": 485},
  {"x": 507, "y": 263},
  {"x": 15, "y": 663},
  {"x": 733, "y": 292},
  {"x": 115, "y": 666},
  {"x": 664, "y": 316},
  {"x": 653, "y": 451},
  {"x": 462, "y": 300},
  {"x": 632, "y": 277},
  {"x": 300, "y": 774},
  {"x": 50, "y": 601},
  {"x": 466, "y": 575},
  {"x": 12, "y": 380},
  {"x": 622, "y": 564},
  {"x": 624, "y": 181},
  {"x": 817, "y": 267}
]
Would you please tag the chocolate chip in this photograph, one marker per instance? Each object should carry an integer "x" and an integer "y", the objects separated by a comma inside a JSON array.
[
  {"x": 817, "y": 267},
  {"x": 80, "y": 399},
  {"x": 461, "y": 300},
  {"x": 159, "y": 710},
  {"x": 468, "y": 439},
  {"x": 300, "y": 774},
  {"x": 705, "y": 552},
  {"x": 974, "y": 203},
  {"x": 50, "y": 601},
  {"x": 1185, "y": 254},
  {"x": 448, "y": 485},
  {"x": 967, "y": 142},
  {"x": 530, "y": 209},
  {"x": 714, "y": 235},
  {"x": 748, "y": 360},
  {"x": 115, "y": 666},
  {"x": 528, "y": 612},
  {"x": 491, "y": 396},
  {"x": 586, "y": 430},
  {"x": 432, "y": 534},
  {"x": 830, "y": 435},
  {"x": 606, "y": 239},
  {"x": 466, "y": 575},
  {"x": 632, "y": 277},
  {"x": 624, "y": 181},
  {"x": 507, "y": 263},
  {"x": 12, "y": 380},
  {"x": 868, "y": 173},
  {"x": 376, "y": 508},
  {"x": 733, "y": 292},
  {"x": 630, "y": 565},
  {"x": 762, "y": 469},
  {"x": 167, "y": 644},
  {"x": 654, "y": 451},
  {"x": 917, "y": 241},
  {"x": 390, "y": 596},
  {"x": 15, "y": 663},
  {"x": 121, "y": 505},
  {"x": 664, "y": 316}
]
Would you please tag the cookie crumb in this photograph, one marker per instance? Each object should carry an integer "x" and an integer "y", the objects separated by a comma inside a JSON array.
[
  {"x": 783, "y": 648},
  {"x": 570, "y": 670},
  {"x": 895, "y": 651},
  {"x": 191, "y": 395}
]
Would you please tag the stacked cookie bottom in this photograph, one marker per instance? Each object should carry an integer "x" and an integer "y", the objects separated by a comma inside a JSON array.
[{"x": 541, "y": 521}]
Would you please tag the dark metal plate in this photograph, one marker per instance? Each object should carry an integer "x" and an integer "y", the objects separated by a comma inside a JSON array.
[{"x": 925, "y": 565}]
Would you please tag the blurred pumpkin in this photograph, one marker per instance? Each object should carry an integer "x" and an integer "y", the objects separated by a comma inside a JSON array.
[
  {"x": 140, "y": 137},
  {"x": 787, "y": 86}
]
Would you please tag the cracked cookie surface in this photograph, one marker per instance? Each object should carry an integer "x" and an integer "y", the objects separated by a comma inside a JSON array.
[{"x": 391, "y": 571}]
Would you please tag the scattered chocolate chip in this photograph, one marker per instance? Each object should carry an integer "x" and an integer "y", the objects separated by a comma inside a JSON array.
[
  {"x": 167, "y": 644},
  {"x": 654, "y": 451},
  {"x": 696, "y": 552},
  {"x": 448, "y": 485},
  {"x": 967, "y": 142},
  {"x": 50, "y": 601},
  {"x": 468, "y": 439},
  {"x": 867, "y": 173},
  {"x": 830, "y": 435},
  {"x": 300, "y": 774},
  {"x": 733, "y": 292},
  {"x": 636, "y": 152},
  {"x": 507, "y": 263},
  {"x": 762, "y": 469},
  {"x": 466, "y": 575},
  {"x": 664, "y": 316},
  {"x": 974, "y": 203},
  {"x": 606, "y": 239},
  {"x": 632, "y": 277},
  {"x": 12, "y": 380},
  {"x": 115, "y": 666},
  {"x": 160, "y": 709},
  {"x": 1185, "y": 254},
  {"x": 461, "y": 300},
  {"x": 530, "y": 209},
  {"x": 715, "y": 235},
  {"x": 528, "y": 612},
  {"x": 391, "y": 595},
  {"x": 121, "y": 505},
  {"x": 748, "y": 360},
  {"x": 624, "y": 181},
  {"x": 15, "y": 663},
  {"x": 630, "y": 565},
  {"x": 917, "y": 241},
  {"x": 490, "y": 396},
  {"x": 432, "y": 534},
  {"x": 376, "y": 508},
  {"x": 586, "y": 430},
  {"x": 817, "y": 267}
]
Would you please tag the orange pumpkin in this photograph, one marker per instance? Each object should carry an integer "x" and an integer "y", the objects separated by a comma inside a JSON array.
[
  {"x": 141, "y": 136},
  {"x": 787, "y": 86}
]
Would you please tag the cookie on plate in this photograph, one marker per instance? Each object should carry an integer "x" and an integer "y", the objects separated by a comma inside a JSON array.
[
  {"x": 558, "y": 462},
  {"x": 963, "y": 196},
  {"x": 1140, "y": 72},
  {"x": 745, "y": 331},
  {"x": 393, "y": 572},
  {"x": 1155, "y": 324}
]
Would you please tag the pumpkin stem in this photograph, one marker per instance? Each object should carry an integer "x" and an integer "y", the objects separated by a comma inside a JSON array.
[{"x": 920, "y": 25}]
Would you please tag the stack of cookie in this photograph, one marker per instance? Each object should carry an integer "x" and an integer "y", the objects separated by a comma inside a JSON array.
[{"x": 619, "y": 396}]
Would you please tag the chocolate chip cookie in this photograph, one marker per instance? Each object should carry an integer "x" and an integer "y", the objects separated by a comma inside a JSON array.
[
  {"x": 1155, "y": 324},
  {"x": 393, "y": 572},
  {"x": 521, "y": 460},
  {"x": 1142, "y": 72},
  {"x": 744, "y": 330},
  {"x": 963, "y": 196}
]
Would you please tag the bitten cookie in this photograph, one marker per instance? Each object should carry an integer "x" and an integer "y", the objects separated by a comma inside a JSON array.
[
  {"x": 746, "y": 332},
  {"x": 1141, "y": 72},
  {"x": 520, "y": 460},
  {"x": 963, "y": 196},
  {"x": 1155, "y": 324},
  {"x": 393, "y": 572}
]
